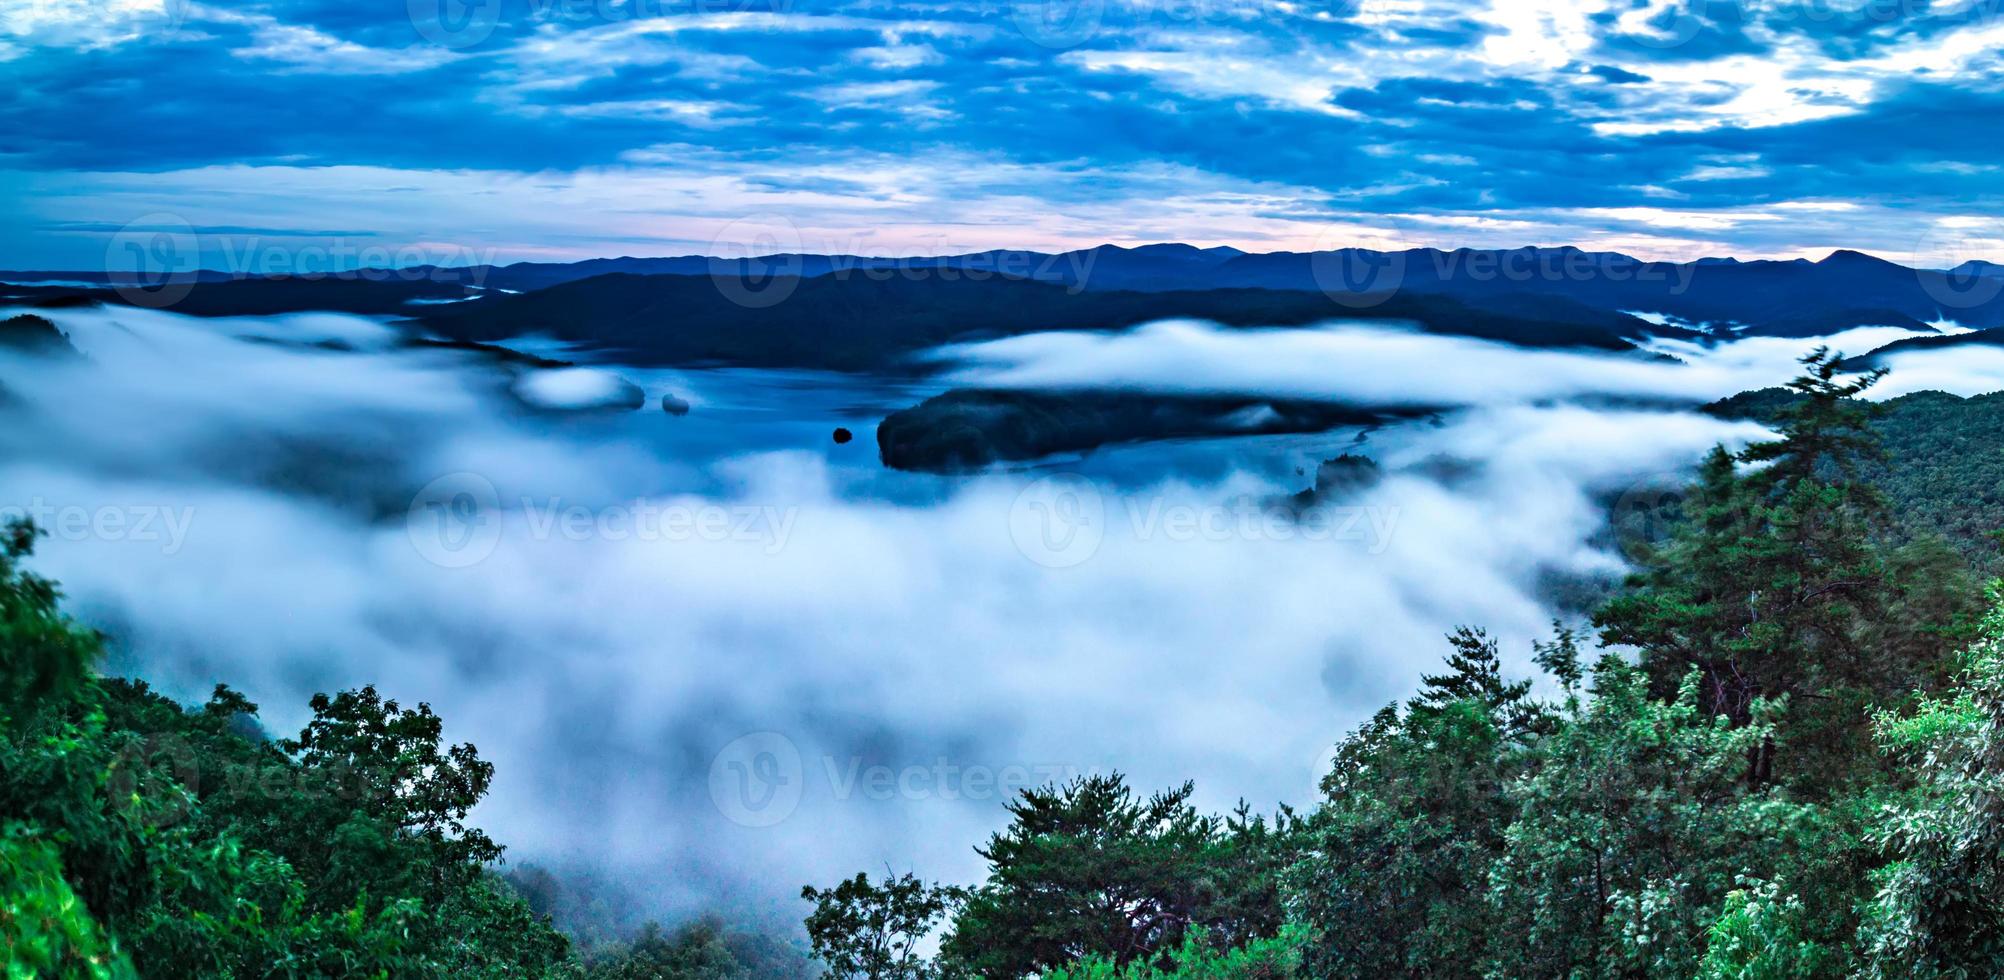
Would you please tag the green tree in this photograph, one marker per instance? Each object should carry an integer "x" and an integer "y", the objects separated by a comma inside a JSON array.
[
  {"x": 1939, "y": 910},
  {"x": 864, "y": 930},
  {"x": 1630, "y": 829},
  {"x": 1396, "y": 860},
  {"x": 1781, "y": 582},
  {"x": 1760, "y": 936},
  {"x": 191, "y": 843},
  {"x": 44, "y": 929},
  {"x": 47, "y": 656},
  {"x": 1276, "y": 958},
  {"x": 695, "y": 952},
  {"x": 1089, "y": 869}
]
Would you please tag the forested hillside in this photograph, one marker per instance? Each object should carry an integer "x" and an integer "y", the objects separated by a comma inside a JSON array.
[
  {"x": 1774, "y": 754},
  {"x": 1939, "y": 462},
  {"x": 139, "y": 838}
]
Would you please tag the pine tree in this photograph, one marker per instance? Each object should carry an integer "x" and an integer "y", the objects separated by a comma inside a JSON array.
[{"x": 1780, "y": 583}]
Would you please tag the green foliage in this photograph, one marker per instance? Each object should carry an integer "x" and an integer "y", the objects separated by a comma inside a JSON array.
[
  {"x": 1785, "y": 581},
  {"x": 1760, "y": 937},
  {"x": 1939, "y": 910},
  {"x": 44, "y": 928},
  {"x": 1629, "y": 832},
  {"x": 1396, "y": 860},
  {"x": 1089, "y": 869},
  {"x": 47, "y": 656},
  {"x": 705, "y": 949},
  {"x": 1638, "y": 826},
  {"x": 1699, "y": 798},
  {"x": 200, "y": 848},
  {"x": 1275, "y": 958},
  {"x": 1942, "y": 474},
  {"x": 863, "y": 930}
]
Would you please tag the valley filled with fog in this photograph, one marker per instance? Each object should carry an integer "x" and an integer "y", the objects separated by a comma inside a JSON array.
[{"x": 721, "y": 655}]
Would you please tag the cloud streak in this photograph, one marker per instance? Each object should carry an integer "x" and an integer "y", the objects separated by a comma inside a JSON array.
[{"x": 1369, "y": 363}]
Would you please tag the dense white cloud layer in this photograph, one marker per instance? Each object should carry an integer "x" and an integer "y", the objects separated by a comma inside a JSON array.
[
  {"x": 1374, "y": 364},
  {"x": 646, "y": 593}
]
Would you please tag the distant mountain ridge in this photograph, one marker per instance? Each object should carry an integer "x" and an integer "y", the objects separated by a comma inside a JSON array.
[
  {"x": 863, "y": 323},
  {"x": 867, "y": 313},
  {"x": 1796, "y": 297}
]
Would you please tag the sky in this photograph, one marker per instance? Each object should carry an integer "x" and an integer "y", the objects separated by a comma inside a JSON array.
[{"x": 294, "y": 134}]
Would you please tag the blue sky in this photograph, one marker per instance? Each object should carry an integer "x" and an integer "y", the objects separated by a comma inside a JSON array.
[{"x": 288, "y": 134}]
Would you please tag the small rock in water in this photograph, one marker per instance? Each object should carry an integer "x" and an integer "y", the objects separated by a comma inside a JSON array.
[
  {"x": 673, "y": 405},
  {"x": 842, "y": 436}
]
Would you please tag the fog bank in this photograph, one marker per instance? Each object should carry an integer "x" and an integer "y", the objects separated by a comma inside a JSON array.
[{"x": 718, "y": 657}]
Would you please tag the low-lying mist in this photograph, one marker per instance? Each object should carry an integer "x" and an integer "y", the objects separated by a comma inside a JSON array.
[
  {"x": 1378, "y": 364},
  {"x": 717, "y": 657}
]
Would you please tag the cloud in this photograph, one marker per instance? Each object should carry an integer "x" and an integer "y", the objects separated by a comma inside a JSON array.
[
  {"x": 304, "y": 50},
  {"x": 898, "y": 57},
  {"x": 677, "y": 198},
  {"x": 1545, "y": 101},
  {"x": 1376, "y": 365}
]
